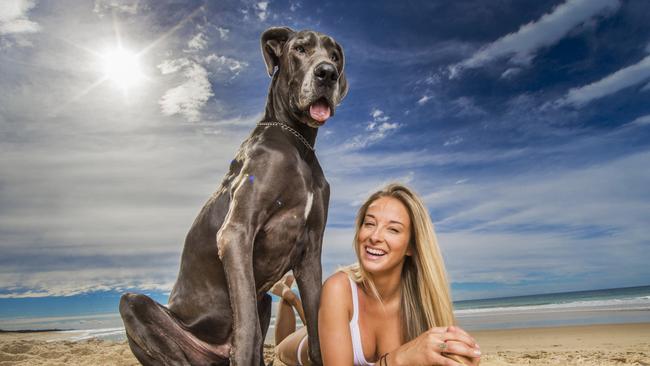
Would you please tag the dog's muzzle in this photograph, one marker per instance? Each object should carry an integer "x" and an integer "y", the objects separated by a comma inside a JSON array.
[{"x": 325, "y": 77}]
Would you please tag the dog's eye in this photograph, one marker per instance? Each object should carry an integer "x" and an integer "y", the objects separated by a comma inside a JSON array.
[
  {"x": 300, "y": 49},
  {"x": 334, "y": 57}
]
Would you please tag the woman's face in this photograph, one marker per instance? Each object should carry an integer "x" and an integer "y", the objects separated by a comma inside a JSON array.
[{"x": 384, "y": 236}]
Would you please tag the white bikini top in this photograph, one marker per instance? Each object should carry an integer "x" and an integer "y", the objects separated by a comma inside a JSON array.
[{"x": 357, "y": 347}]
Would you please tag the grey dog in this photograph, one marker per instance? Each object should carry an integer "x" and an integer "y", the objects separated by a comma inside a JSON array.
[{"x": 267, "y": 218}]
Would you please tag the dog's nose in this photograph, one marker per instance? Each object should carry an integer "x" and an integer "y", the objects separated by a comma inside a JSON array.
[{"x": 326, "y": 73}]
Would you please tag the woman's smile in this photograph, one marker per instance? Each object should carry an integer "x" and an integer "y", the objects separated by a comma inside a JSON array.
[{"x": 374, "y": 253}]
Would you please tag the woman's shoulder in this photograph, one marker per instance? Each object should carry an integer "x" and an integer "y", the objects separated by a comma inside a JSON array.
[
  {"x": 336, "y": 289},
  {"x": 338, "y": 282}
]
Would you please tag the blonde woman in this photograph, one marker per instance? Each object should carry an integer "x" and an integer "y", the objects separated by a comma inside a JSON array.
[{"x": 393, "y": 307}]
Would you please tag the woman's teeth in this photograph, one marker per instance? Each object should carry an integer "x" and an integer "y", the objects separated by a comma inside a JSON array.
[{"x": 375, "y": 252}]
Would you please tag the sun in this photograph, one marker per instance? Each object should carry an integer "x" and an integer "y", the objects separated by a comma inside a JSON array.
[{"x": 122, "y": 67}]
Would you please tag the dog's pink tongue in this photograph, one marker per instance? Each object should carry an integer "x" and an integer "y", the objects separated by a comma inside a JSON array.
[{"x": 320, "y": 111}]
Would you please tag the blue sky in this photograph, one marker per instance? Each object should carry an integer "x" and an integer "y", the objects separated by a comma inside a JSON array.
[{"x": 524, "y": 125}]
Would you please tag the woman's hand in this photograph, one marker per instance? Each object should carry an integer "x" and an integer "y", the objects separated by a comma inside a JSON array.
[
  {"x": 436, "y": 347},
  {"x": 476, "y": 357}
]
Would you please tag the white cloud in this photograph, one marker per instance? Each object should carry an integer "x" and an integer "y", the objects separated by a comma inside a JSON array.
[
  {"x": 99, "y": 214},
  {"x": 453, "y": 141},
  {"x": 198, "y": 42},
  {"x": 433, "y": 79},
  {"x": 465, "y": 106},
  {"x": 646, "y": 87},
  {"x": 511, "y": 72},
  {"x": 378, "y": 129},
  {"x": 58, "y": 283},
  {"x": 13, "y": 17},
  {"x": 346, "y": 162},
  {"x": 352, "y": 189},
  {"x": 385, "y": 127},
  {"x": 188, "y": 98},
  {"x": 295, "y": 6},
  {"x": 261, "y": 9},
  {"x": 262, "y": 5},
  {"x": 172, "y": 66},
  {"x": 568, "y": 199},
  {"x": 103, "y": 7},
  {"x": 19, "y": 26},
  {"x": 223, "y": 63},
  {"x": 641, "y": 121},
  {"x": 223, "y": 33},
  {"x": 583, "y": 220},
  {"x": 424, "y": 100},
  {"x": 378, "y": 115},
  {"x": 520, "y": 47},
  {"x": 533, "y": 263},
  {"x": 610, "y": 84}
]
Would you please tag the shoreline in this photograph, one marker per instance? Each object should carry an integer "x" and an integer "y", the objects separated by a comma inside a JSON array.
[
  {"x": 586, "y": 345},
  {"x": 34, "y": 330}
]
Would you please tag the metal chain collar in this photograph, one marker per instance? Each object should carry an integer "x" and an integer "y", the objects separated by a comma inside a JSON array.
[{"x": 284, "y": 126}]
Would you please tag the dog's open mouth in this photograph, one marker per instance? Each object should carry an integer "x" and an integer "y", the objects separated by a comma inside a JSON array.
[{"x": 320, "y": 110}]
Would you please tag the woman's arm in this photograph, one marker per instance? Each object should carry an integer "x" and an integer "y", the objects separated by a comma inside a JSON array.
[
  {"x": 334, "y": 321},
  {"x": 426, "y": 350}
]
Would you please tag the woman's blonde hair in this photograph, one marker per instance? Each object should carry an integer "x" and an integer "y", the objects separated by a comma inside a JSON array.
[{"x": 425, "y": 296}]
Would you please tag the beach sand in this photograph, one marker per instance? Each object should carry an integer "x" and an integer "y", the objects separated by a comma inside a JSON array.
[{"x": 617, "y": 344}]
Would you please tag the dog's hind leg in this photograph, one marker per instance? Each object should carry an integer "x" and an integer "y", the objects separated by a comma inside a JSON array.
[
  {"x": 141, "y": 354},
  {"x": 157, "y": 338},
  {"x": 264, "y": 311}
]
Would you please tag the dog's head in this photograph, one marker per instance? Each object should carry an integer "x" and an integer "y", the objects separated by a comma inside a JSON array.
[{"x": 307, "y": 67}]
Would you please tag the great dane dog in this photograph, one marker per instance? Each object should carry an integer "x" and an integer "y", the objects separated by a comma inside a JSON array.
[{"x": 267, "y": 217}]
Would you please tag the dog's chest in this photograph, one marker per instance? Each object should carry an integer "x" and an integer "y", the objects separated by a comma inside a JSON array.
[
  {"x": 288, "y": 229},
  {"x": 285, "y": 227},
  {"x": 278, "y": 244}
]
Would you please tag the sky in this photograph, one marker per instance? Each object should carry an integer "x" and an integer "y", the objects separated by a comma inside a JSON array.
[{"x": 524, "y": 126}]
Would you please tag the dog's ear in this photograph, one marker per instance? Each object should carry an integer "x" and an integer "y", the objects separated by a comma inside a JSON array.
[
  {"x": 273, "y": 39},
  {"x": 343, "y": 82}
]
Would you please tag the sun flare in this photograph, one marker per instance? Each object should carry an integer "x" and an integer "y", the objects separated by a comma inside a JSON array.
[{"x": 122, "y": 67}]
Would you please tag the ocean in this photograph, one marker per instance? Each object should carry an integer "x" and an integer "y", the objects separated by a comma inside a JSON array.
[{"x": 608, "y": 306}]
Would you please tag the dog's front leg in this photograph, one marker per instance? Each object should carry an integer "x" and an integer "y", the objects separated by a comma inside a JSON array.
[
  {"x": 248, "y": 207},
  {"x": 235, "y": 250},
  {"x": 309, "y": 277}
]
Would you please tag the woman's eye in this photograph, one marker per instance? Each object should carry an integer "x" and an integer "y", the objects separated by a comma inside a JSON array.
[
  {"x": 394, "y": 230},
  {"x": 300, "y": 49},
  {"x": 368, "y": 224}
]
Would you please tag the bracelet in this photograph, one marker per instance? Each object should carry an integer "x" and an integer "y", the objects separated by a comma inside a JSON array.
[{"x": 383, "y": 360}]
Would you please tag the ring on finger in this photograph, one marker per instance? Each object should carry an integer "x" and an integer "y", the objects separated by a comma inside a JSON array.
[{"x": 443, "y": 346}]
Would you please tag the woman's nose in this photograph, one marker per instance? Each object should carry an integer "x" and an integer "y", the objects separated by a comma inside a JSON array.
[{"x": 376, "y": 235}]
